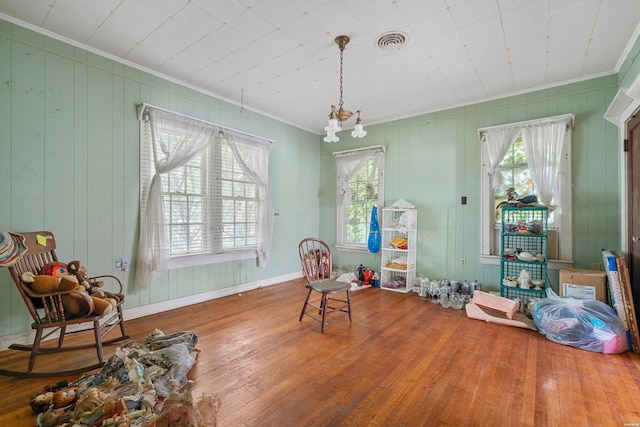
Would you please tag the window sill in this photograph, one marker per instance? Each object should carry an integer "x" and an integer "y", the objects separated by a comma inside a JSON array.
[
  {"x": 552, "y": 264},
  {"x": 196, "y": 260},
  {"x": 346, "y": 248}
]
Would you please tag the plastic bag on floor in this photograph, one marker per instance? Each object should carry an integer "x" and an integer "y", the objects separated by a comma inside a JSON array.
[{"x": 587, "y": 324}]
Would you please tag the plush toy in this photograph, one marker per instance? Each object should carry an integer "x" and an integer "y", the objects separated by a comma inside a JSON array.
[
  {"x": 41, "y": 283},
  {"x": 55, "y": 269},
  {"x": 75, "y": 303},
  {"x": 79, "y": 270}
]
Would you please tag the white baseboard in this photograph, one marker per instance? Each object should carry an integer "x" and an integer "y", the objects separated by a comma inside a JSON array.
[{"x": 146, "y": 310}]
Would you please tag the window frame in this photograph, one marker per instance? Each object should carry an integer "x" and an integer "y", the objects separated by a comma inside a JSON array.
[
  {"x": 376, "y": 154},
  {"x": 562, "y": 233}
]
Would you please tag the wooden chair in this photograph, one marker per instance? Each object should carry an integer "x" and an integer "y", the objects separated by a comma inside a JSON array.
[
  {"x": 317, "y": 265},
  {"x": 49, "y": 315}
]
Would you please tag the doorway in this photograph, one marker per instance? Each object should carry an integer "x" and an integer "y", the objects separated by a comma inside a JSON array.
[{"x": 632, "y": 146}]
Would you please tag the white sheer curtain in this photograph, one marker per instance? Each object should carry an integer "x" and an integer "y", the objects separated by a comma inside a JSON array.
[
  {"x": 543, "y": 144},
  {"x": 253, "y": 156},
  {"x": 174, "y": 141},
  {"x": 348, "y": 165},
  {"x": 496, "y": 143}
]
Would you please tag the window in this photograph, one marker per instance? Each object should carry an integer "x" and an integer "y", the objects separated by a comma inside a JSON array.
[
  {"x": 237, "y": 202},
  {"x": 533, "y": 158},
  {"x": 204, "y": 194},
  {"x": 360, "y": 187},
  {"x": 190, "y": 213},
  {"x": 515, "y": 176},
  {"x": 184, "y": 200}
]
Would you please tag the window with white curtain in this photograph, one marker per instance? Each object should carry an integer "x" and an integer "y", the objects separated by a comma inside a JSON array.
[
  {"x": 204, "y": 194},
  {"x": 360, "y": 187},
  {"x": 534, "y": 158}
]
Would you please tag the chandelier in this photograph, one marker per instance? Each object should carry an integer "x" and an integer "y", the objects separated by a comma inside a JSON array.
[{"x": 339, "y": 115}]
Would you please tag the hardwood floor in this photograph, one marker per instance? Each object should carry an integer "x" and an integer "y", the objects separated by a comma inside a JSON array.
[{"x": 402, "y": 362}]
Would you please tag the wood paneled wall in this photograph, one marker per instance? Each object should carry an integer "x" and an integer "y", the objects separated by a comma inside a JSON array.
[{"x": 69, "y": 163}]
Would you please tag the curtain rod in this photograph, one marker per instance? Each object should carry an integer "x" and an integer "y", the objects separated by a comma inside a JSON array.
[
  {"x": 347, "y": 152},
  {"x": 143, "y": 106},
  {"x": 562, "y": 118}
]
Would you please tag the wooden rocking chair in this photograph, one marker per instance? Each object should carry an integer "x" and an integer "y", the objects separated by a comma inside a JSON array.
[{"x": 49, "y": 315}]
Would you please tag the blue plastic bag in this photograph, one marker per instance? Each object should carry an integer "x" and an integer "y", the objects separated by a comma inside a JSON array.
[{"x": 374, "y": 232}]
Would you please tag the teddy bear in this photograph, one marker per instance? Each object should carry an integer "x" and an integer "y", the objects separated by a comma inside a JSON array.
[
  {"x": 74, "y": 303},
  {"x": 79, "y": 270},
  {"x": 41, "y": 283}
]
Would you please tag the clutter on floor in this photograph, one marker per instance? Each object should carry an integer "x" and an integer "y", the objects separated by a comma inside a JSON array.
[
  {"x": 586, "y": 324},
  {"x": 139, "y": 386},
  {"x": 496, "y": 309}
]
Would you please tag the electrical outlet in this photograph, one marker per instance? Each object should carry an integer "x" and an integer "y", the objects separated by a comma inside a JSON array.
[
  {"x": 122, "y": 264},
  {"x": 463, "y": 262}
]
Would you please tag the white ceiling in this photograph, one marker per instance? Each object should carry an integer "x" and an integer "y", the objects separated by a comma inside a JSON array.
[{"x": 278, "y": 57}]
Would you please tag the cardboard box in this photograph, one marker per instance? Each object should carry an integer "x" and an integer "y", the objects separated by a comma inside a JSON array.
[{"x": 583, "y": 284}]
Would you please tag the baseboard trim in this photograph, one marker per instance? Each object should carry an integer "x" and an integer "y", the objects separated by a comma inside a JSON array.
[{"x": 146, "y": 310}]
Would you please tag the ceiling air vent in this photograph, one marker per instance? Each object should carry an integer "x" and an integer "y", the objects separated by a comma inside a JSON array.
[{"x": 392, "y": 40}]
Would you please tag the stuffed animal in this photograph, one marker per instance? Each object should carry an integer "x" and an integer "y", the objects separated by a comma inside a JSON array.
[
  {"x": 79, "y": 270},
  {"x": 75, "y": 303},
  {"x": 41, "y": 283},
  {"x": 55, "y": 269}
]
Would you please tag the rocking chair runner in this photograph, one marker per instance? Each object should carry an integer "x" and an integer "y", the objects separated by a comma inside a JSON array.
[{"x": 49, "y": 315}]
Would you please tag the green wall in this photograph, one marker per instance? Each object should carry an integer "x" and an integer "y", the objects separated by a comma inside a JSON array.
[
  {"x": 69, "y": 164},
  {"x": 433, "y": 160}
]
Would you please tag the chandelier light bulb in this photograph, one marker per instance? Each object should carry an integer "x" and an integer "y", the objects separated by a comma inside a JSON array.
[
  {"x": 358, "y": 130},
  {"x": 333, "y": 126},
  {"x": 331, "y": 137}
]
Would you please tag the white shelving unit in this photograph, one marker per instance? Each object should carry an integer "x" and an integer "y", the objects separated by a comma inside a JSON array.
[{"x": 398, "y": 266}]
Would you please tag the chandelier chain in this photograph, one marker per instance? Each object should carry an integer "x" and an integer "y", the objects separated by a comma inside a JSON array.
[{"x": 341, "y": 54}]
